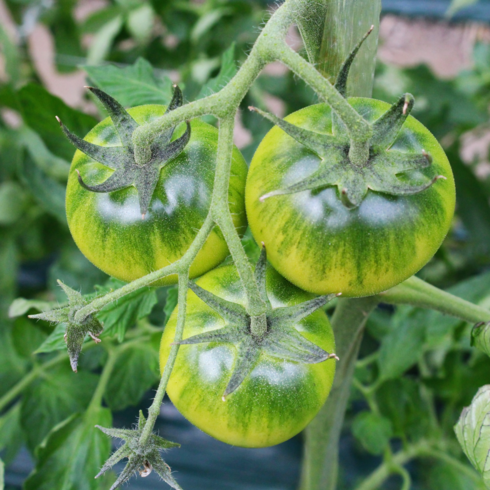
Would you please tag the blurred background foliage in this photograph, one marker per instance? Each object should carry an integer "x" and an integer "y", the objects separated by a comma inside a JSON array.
[{"x": 417, "y": 369}]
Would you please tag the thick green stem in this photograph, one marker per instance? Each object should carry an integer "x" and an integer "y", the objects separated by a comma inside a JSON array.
[
  {"x": 421, "y": 449},
  {"x": 416, "y": 292},
  {"x": 96, "y": 401},
  {"x": 378, "y": 477},
  {"x": 154, "y": 409},
  {"x": 222, "y": 216},
  {"x": 320, "y": 462}
]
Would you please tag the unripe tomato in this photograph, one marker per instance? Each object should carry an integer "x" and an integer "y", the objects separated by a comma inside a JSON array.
[
  {"x": 108, "y": 227},
  {"x": 276, "y": 400},
  {"x": 322, "y": 246}
]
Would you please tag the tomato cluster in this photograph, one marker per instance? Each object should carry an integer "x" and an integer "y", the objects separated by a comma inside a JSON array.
[{"x": 330, "y": 224}]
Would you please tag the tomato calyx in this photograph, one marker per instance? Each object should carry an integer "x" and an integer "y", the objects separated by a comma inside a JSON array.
[
  {"x": 121, "y": 158},
  {"x": 144, "y": 459},
  {"x": 76, "y": 331},
  {"x": 279, "y": 338},
  {"x": 384, "y": 169}
]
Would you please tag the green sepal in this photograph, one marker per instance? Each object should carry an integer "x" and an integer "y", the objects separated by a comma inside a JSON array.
[
  {"x": 142, "y": 458},
  {"x": 343, "y": 76},
  {"x": 389, "y": 125},
  {"x": 248, "y": 353},
  {"x": 281, "y": 340},
  {"x": 338, "y": 127},
  {"x": 319, "y": 143},
  {"x": 290, "y": 315},
  {"x": 231, "y": 312},
  {"x": 290, "y": 345},
  {"x": 380, "y": 172},
  {"x": 121, "y": 158},
  {"x": 122, "y": 120}
]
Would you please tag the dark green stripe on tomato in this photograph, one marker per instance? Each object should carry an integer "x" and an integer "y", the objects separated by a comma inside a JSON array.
[
  {"x": 108, "y": 227},
  {"x": 320, "y": 245}
]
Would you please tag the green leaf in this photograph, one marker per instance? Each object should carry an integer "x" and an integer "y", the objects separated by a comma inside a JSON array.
[
  {"x": 402, "y": 347},
  {"x": 39, "y": 109},
  {"x": 46, "y": 191},
  {"x": 8, "y": 275},
  {"x": 12, "y": 366},
  {"x": 11, "y": 434},
  {"x": 72, "y": 454},
  {"x": 473, "y": 432},
  {"x": 135, "y": 372},
  {"x": 2, "y": 473},
  {"x": 26, "y": 337},
  {"x": 49, "y": 163},
  {"x": 124, "y": 313},
  {"x": 102, "y": 42},
  {"x": 457, "y": 5},
  {"x": 11, "y": 55},
  {"x": 226, "y": 73},
  {"x": 134, "y": 85},
  {"x": 171, "y": 302},
  {"x": 21, "y": 306},
  {"x": 12, "y": 202},
  {"x": 55, "y": 340},
  {"x": 473, "y": 204},
  {"x": 52, "y": 398},
  {"x": 448, "y": 477},
  {"x": 399, "y": 400},
  {"x": 373, "y": 431}
]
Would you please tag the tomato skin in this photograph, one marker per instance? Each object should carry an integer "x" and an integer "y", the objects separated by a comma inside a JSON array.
[
  {"x": 108, "y": 229},
  {"x": 277, "y": 400},
  {"x": 318, "y": 244}
]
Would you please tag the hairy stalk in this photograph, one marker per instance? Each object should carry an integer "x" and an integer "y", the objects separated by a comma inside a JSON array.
[
  {"x": 222, "y": 216},
  {"x": 180, "y": 266},
  {"x": 359, "y": 130},
  {"x": 416, "y": 292},
  {"x": 320, "y": 462},
  {"x": 154, "y": 409}
]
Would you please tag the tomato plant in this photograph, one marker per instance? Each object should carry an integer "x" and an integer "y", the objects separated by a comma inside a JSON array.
[
  {"x": 367, "y": 246},
  {"x": 106, "y": 195},
  {"x": 278, "y": 394}
]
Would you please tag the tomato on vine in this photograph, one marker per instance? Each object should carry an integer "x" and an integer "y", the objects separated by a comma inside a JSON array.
[
  {"x": 246, "y": 390},
  {"x": 129, "y": 219},
  {"x": 332, "y": 224}
]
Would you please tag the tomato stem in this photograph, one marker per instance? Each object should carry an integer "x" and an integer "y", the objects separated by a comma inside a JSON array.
[
  {"x": 416, "y": 292},
  {"x": 320, "y": 462},
  {"x": 154, "y": 409}
]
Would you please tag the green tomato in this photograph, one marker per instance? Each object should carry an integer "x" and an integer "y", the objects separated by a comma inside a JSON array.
[
  {"x": 277, "y": 400},
  {"x": 322, "y": 246},
  {"x": 108, "y": 227}
]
